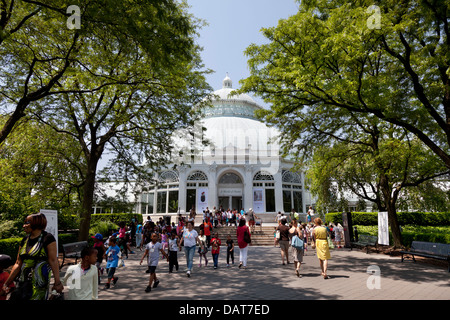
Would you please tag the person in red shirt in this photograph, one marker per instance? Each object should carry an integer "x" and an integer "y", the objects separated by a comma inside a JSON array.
[
  {"x": 243, "y": 245},
  {"x": 207, "y": 228},
  {"x": 216, "y": 243}
]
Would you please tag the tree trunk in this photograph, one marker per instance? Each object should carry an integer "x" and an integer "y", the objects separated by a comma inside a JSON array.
[
  {"x": 88, "y": 199},
  {"x": 393, "y": 223}
]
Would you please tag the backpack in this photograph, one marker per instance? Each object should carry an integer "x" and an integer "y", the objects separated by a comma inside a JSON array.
[{"x": 297, "y": 243}]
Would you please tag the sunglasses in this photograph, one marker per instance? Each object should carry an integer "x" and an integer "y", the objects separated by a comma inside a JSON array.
[{"x": 27, "y": 222}]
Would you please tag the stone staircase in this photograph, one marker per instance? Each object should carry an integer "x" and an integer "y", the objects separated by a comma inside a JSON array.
[{"x": 262, "y": 236}]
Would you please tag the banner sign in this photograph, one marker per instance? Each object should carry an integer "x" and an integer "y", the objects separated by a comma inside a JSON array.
[
  {"x": 383, "y": 228},
  {"x": 202, "y": 199},
  {"x": 52, "y": 224},
  {"x": 258, "y": 200}
]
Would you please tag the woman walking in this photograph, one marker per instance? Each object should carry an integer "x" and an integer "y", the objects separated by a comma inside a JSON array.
[
  {"x": 243, "y": 236},
  {"x": 283, "y": 241},
  {"x": 296, "y": 253},
  {"x": 322, "y": 249},
  {"x": 36, "y": 261},
  {"x": 189, "y": 240}
]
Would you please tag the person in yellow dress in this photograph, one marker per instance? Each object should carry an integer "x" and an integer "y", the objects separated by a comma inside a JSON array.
[{"x": 322, "y": 249}]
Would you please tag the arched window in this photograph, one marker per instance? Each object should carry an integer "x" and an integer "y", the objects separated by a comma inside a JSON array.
[
  {"x": 230, "y": 178},
  {"x": 169, "y": 176},
  {"x": 197, "y": 176},
  {"x": 263, "y": 175}
]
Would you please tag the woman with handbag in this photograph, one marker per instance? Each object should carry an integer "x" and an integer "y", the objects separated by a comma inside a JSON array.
[
  {"x": 244, "y": 239},
  {"x": 321, "y": 244},
  {"x": 36, "y": 262}
]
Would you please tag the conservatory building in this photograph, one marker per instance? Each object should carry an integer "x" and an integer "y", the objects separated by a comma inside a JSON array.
[{"x": 229, "y": 160}]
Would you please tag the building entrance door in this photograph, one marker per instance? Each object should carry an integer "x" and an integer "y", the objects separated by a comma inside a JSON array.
[
  {"x": 236, "y": 203},
  {"x": 224, "y": 202},
  {"x": 231, "y": 203}
]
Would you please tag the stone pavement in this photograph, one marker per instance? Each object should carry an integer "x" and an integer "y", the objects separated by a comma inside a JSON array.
[{"x": 267, "y": 279}]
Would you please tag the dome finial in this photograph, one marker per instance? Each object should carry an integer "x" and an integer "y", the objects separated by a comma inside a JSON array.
[{"x": 227, "y": 83}]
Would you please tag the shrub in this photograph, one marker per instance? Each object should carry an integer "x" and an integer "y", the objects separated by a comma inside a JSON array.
[
  {"x": 115, "y": 217},
  {"x": 404, "y": 218},
  {"x": 10, "y": 247}
]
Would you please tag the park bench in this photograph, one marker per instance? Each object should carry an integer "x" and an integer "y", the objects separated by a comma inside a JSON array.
[
  {"x": 365, "y": 240},
  {"x": 73, "y": 250},
  {"x": 433, "y": 250}
]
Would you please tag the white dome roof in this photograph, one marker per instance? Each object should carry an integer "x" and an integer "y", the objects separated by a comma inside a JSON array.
[
  {"x": 225, "y": 103},
  {"x": 233, "y": 133}
]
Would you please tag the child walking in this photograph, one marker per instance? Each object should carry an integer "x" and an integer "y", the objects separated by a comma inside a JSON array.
[
  {"x": 215, "y": 249},
  {"x": 5, "y": 262},
  {"x": 203, "y": 249},
  {"x": 84, "y": 277},
  {"x": 152, "y": 250},
  {"x": 100, "y": 247},
  {"x": 174, "y": 246},
  {"x": 230, "y": 250},
  {"x": 112, "y": 261}
]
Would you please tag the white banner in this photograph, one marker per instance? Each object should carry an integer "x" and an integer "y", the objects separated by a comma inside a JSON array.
[
  {"x": 258, "y": 200},
  {"x": 383, "y": 228},
  {"x": 202, "y": 199},
  {"x": 52, "y": 224}
]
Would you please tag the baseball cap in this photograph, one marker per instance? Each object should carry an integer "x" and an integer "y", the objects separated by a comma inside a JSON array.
[{"x": 97, "y": 236}]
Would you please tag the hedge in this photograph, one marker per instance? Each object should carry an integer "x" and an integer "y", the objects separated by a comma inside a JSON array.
[
  {"x": 404, "y": 218},
  {"x": 10, "y": 246},
  {"x": 116, "y": 217}
]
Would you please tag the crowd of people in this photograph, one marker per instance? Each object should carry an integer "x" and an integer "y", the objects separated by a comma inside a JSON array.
[{"x": 37, "y": 259}]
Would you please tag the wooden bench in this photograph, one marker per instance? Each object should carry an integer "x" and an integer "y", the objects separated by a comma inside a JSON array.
[
  {"x": 73, "y": 250},
  {"x": 433, "y": 250},
  {"x": 365, "y": 240}
]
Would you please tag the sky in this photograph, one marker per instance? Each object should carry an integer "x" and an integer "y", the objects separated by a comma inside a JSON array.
[{"x": 232, "y": 26}]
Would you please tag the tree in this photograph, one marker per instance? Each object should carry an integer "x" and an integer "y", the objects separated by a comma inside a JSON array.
[
  {"x": 127, "y": 97},
  {"x": 39, "y": 169},
  {"x": 38, "y": 50},
  {"x": 377, "y": 169},
  {"x": 326, "y": 59},
  {"x": 327, "y": 75}
]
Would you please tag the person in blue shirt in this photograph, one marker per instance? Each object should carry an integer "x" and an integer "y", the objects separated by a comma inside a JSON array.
[{"x": 112, "y": 260}]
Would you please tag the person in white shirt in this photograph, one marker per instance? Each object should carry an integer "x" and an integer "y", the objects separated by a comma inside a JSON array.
[{"x": 83, "y": 277}]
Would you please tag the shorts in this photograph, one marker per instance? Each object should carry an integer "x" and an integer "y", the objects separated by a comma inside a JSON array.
[
  {"x": 284, "y": 245},
  {"x": 152, "y": 269},
  {"x": 111, "y": 272}
]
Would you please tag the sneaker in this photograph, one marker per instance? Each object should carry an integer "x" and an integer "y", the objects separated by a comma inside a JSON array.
[
  {"x": 188, "y": 274},
  {"x": 228, "y": 265},
  {"x": 215, "y": 267},
  {"x": 155, "y": 284},
  {"x": 115, "y": 280},
  {"x": 106, "y": 286},
  {"x": 148, "y": 289}
]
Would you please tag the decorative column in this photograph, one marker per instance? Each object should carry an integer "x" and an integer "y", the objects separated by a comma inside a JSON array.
[
  {"x": 212, "y": 187},
  {"x": 182, "y": 183},
  {"x": 279, "y": 191},
  {"x": 248, "y": 187}
]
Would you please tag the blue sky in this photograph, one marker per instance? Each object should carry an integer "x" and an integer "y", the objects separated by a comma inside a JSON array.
[{"x": 232, "y": 26}]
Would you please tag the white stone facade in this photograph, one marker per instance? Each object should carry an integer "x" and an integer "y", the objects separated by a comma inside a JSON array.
[{"x": 239, "y": 168}]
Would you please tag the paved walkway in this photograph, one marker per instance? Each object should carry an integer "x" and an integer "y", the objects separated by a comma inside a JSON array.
[{"x": 267, "y": 279}]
